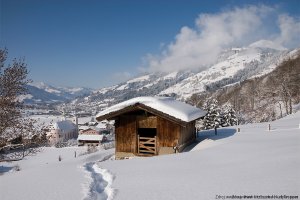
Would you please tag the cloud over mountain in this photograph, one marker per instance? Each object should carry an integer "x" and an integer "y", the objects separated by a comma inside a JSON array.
[{"x": 200, "y": 46}]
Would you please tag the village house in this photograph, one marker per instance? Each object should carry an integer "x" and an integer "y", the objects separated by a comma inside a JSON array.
[
  {"x": 147, "y": 126},
  {"x": 92, "y": 134},
  {"x": 89, "y": 131},
  {"x": 90, "y": 139}
]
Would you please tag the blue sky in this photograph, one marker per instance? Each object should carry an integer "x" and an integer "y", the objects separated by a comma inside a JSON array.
[{"x": 100, "y": 43}]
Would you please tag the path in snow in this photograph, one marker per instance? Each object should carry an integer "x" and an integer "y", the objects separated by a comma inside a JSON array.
[{"x": 100, "y": 181}]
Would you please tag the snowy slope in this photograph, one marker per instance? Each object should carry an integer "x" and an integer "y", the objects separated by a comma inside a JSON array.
[
  {"x": 44, "y": 177},
  {"x": 254, "y": 161},
  {"x": 254, "y": 60}
]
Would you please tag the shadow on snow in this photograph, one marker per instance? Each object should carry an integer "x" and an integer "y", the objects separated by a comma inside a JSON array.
[
  {"x": 210, "y": 134},
  {"x": 4, "y": 169}
]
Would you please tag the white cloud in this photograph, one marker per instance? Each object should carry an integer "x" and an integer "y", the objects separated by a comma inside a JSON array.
[
  {"x": 289, "y": 31},
  {"x": 199, "y": 46},
  {"x": 122, "y": 76}
]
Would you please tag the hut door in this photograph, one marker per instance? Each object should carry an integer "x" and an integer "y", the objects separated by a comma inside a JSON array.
[{"x": 147, "y": 141}]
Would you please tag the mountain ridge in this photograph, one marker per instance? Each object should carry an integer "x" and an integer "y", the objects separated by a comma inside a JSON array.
[
  {"x": 233, "y": 66},
  {"x": 42, "y": 93}
]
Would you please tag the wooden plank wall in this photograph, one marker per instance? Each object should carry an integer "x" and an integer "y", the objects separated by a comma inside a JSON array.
[
  {"x": 187, "y": 133},
  {"x": 167, "y": 133},
  {"x": 126, "y": 134},
  {"x": 147, "y": 122}
]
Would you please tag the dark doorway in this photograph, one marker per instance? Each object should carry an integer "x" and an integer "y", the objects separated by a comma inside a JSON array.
[{"x": 147, "y": 132}]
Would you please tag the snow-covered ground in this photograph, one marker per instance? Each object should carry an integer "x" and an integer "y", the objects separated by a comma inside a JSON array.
[
  {"x": 254, "y": 161},
  {"x": 43, "y": 176}
]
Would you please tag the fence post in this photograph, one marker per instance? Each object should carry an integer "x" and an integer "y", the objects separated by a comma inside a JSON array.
[
  {"x": 138, "y": 144},
  {"x": 155, "y": 143}
]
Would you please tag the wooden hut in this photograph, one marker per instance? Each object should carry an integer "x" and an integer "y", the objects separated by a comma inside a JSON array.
[{"x": 147, "y": 126}]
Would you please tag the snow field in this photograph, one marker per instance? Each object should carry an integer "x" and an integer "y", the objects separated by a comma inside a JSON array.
[
  {"x": 42, "y": 176},
  {"x": 255, "y": 161}
]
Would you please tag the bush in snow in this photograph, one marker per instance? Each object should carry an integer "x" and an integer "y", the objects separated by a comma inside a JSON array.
[
  {"x": 17, "y": 168},
  {"x": 72, "y": 142},
  {"x": 108, "y": 145},
  {"x": 61, "y": 144}
]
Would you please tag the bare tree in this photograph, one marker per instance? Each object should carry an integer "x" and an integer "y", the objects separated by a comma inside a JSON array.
[{"x": 19, "y": 136}]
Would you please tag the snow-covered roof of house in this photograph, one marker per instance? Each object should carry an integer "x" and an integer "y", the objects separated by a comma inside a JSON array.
[
  {"x": 92, "y": 123},
  {"x": 83, "y": 127},
  {"x": 64, "y": 125},
  {"x": 101, "y": 126},
  {"x": 83, "y": 120},
  {"x": 166, "y": 105},
  {"x": 90, "y": 137}
]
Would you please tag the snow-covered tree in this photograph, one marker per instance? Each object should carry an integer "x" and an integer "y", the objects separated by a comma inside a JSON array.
[
  {"x": 213, "y": 117},
  {"x": 229, "y": 117},
  {"x": 19, "y": 135}
]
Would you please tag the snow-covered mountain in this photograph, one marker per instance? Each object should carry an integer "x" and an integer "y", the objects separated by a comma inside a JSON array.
[
  {"x": 239, "y": 64},
  {"x": 39, "y": 92},
  {"x": 233, "y": 66},
  {"x": 146, "y": 85}
]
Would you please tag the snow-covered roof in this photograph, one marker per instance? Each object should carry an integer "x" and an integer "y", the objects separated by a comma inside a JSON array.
[
  {"x": 83, "y": 127},
  {"x": 90, "y": 137},
  {"x": 166, "y": 105},
  {"x": 64, "y": 125},
  {"x": 101, "y": 126},
  {"x": 83, "y": 120}
]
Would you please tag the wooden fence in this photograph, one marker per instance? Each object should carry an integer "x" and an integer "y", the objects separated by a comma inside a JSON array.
[{"x": 147, "y": 145}]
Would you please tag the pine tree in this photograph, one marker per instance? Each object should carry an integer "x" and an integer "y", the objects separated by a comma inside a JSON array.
[
  {"x": 213, "y": 118},
  {"x": 229, "y": 117}
]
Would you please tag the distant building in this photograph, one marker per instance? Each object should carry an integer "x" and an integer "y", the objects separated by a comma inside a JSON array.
[
  {"x": 92, "y": 139},
  {"x": 91, "y": 135},
  {"x": 62, "y": 131},
  {"x": 89, "y": 131}
]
